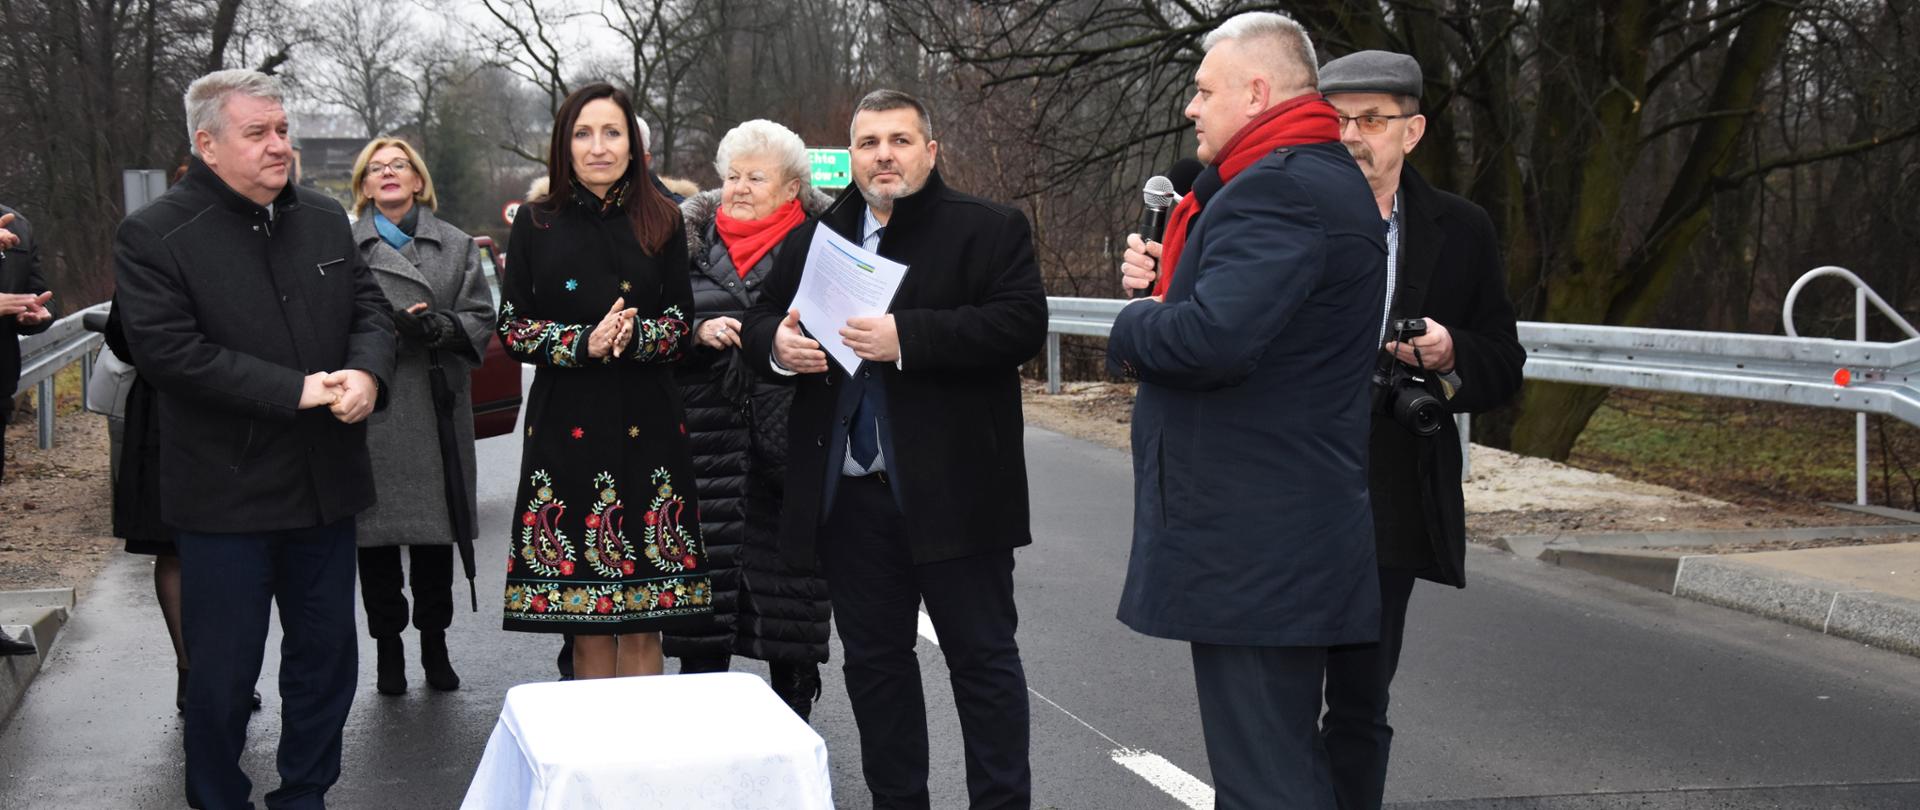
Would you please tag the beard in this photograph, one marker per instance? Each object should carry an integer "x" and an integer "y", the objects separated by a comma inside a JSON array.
[{"x": 882, "y": 200}]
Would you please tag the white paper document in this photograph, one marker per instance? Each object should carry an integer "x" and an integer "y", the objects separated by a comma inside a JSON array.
[{"x": 843, "y": 280}]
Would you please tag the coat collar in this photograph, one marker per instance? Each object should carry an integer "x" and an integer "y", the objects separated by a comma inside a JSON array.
[
  {"x": 199, "y": 174},
  {"x": 382, "y": 257},
  {"x": 427, "y": 228},
  {"x": 908, "y": 212},
  {"x": 1422, "y": 240}
]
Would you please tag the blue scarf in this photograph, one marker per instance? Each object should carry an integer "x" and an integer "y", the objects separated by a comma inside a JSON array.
[{"x": 396, "y": 235}]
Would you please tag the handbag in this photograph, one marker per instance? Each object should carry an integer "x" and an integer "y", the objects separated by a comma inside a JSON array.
[{"x": 108, "y": 386}]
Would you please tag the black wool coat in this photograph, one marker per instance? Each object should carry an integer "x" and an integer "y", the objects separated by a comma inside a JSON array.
[
  {"x": 227, "y": 306},
  {"x": 971, "y": 310},
  {"x": 1451, "y": 272},
  {"x": 737, "y": 431}
]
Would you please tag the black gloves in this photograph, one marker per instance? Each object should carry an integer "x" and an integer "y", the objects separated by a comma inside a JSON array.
[{"x": 431, "y": 329}]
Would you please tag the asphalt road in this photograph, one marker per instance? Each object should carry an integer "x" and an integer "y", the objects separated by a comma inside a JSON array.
[{"x": 1537, "y": 688}]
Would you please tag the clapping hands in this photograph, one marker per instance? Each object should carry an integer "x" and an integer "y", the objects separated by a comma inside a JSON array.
[
  {"x": 349, "y": 393},
  {"x": 614, "y": 331}
]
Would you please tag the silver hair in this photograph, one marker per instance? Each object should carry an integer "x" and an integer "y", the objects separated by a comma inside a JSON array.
[
  {"x": 646, "y": 134},
  {"x": 207, "y": 98},
  {"x": 763, "y": 137},
  {"x": 1283, "y": 48}
]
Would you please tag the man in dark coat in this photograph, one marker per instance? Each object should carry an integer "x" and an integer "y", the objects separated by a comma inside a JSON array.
[
  {"x": 906, "y": 475},
  {"x": 23, "y": 311},
  {"x": 23, "y": 305},
  {"x": 1444, "y": 266},
  {"x": 1252, "y": 535},
  {"x": 247, "y": 306}
]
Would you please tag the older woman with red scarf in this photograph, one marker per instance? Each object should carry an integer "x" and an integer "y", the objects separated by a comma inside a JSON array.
[{"x": 738, "y": 422}]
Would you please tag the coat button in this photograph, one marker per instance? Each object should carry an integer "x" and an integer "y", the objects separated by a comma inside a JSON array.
[
  {"x": 729, "y": 283},
  {"x": 843, "y": 421},
  {"x": 749, "y": 285},
  {"x": 819, "y": 441},
  {"x": 283, "y": 299},
  {"x": 866, "y": 375}
]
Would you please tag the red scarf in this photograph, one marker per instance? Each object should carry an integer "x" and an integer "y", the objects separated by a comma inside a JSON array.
[
  {"x": 1298, "y": 120},
  {"x": 749, "y": 239}
]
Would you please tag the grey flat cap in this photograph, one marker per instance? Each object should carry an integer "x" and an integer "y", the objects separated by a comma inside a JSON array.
[{"x": 1371, "y": 72}]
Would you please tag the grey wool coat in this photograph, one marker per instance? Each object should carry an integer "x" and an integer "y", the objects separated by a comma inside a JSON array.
[{"x": 441, "y": 266}]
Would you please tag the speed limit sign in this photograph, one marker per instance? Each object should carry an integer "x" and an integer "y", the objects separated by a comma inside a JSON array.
[{"x": 506, "y": 212}]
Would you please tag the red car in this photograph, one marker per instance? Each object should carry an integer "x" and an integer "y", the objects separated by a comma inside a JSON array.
[{"x": 496, "y": 383}]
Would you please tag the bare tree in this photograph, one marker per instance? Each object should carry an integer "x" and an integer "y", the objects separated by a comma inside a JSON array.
[{"x": 362, "y": 50}]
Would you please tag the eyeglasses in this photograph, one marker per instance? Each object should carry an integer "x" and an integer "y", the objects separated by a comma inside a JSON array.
[
  {"x": 397, "y": 165},
  {"x": 1371, "y": 124}
]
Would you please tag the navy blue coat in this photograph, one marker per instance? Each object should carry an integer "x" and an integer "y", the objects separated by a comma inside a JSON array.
[{"x": 1251, "y": 517}]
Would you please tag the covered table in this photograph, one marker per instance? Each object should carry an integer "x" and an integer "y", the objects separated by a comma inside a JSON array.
[{"x": 721, "y": 740}]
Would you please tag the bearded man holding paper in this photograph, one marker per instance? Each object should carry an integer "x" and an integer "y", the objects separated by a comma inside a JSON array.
[{"x": 906, "y": 477}]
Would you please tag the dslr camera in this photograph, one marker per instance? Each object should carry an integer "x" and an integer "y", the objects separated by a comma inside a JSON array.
[{"x": 1399, "y": 390}]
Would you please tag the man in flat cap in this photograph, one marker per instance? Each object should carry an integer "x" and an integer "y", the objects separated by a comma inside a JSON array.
[{"x": 1444, "y": 271}]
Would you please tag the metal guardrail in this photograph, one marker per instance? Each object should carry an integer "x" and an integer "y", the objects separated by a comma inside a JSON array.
[
  {"x": 1882, "y": 378},
  {"x": 1861, "y": 376},
  {"x": 1861, "y": 295},
  {"x": 43, "y": 355}
]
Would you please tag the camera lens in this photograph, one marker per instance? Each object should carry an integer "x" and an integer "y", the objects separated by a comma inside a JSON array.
[{"x": 1417, "y": 411}]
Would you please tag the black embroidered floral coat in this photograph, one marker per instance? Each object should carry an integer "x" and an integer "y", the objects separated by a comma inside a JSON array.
[{"x": 605, "y": 536}]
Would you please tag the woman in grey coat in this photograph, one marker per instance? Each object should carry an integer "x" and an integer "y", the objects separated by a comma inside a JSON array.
[{"x": 443, "y": 312}]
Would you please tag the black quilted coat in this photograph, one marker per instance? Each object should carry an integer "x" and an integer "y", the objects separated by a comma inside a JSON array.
[{"x": 737, "y": 424}]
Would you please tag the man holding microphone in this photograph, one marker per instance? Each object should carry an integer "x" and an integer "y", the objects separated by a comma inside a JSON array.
[{"x": 1253, "y": 536}]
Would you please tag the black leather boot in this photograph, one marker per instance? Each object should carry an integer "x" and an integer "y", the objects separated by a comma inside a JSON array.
[
  {"x": 13, "y": 646},
  {"x": 390, "y": 668},
  {"x": 433, "y": 657},
  {"x": 798, "y": 685}
]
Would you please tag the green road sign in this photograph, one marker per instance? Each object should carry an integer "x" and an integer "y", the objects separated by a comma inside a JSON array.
[{"x": 832, "y": 168}]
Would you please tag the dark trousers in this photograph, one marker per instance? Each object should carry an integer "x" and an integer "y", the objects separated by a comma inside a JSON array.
[
  {"x": 1358, "y": 677},
  {"x": 430, "y": 571},
  {"x": 1259, "y": 712},
  {"x": 229, "y": 583},
  {"x": 877, "y": 591}
]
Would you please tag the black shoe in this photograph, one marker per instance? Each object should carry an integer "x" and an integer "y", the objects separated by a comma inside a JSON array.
[
  {"x": 13, "y": 646},
  {"x": 433, "y": 657},
  {"x": 390, "y": 669}
]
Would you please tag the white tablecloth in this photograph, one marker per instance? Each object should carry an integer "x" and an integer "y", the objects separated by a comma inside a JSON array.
[{"x": 721, "y": 740}]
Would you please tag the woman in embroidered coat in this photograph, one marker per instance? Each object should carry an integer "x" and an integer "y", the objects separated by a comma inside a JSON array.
[
  {"x": 443, "y": 315},
  {"x": 605, "y": 540}
]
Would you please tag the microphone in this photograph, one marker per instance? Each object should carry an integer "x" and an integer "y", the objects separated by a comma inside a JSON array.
[{"x": 1159, "y": 197}]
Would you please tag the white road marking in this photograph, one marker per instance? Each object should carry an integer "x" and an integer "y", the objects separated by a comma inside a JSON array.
[
  {"x": 1164, "y": 775},
  {"x": 1167, "y": 777}
]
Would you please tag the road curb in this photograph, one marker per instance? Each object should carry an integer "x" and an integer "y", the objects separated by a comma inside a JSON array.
[
  {"x": 35, "y": 616},
  {"x": 1837, "y": 609}
]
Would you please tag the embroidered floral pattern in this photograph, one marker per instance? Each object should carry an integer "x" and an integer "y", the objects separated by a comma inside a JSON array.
[
  {"x": 658, "y": 340},
  {"x": 535, "y": 338},
  {"x": 561, "y": 601},
  {"x": 668, "y": 541},
  {"x": 543, "y": 546},
  {"x": 606, "y": 534}
]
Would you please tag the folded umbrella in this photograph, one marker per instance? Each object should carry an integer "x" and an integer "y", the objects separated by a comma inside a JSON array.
[{"x": 453, "y": 474}]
